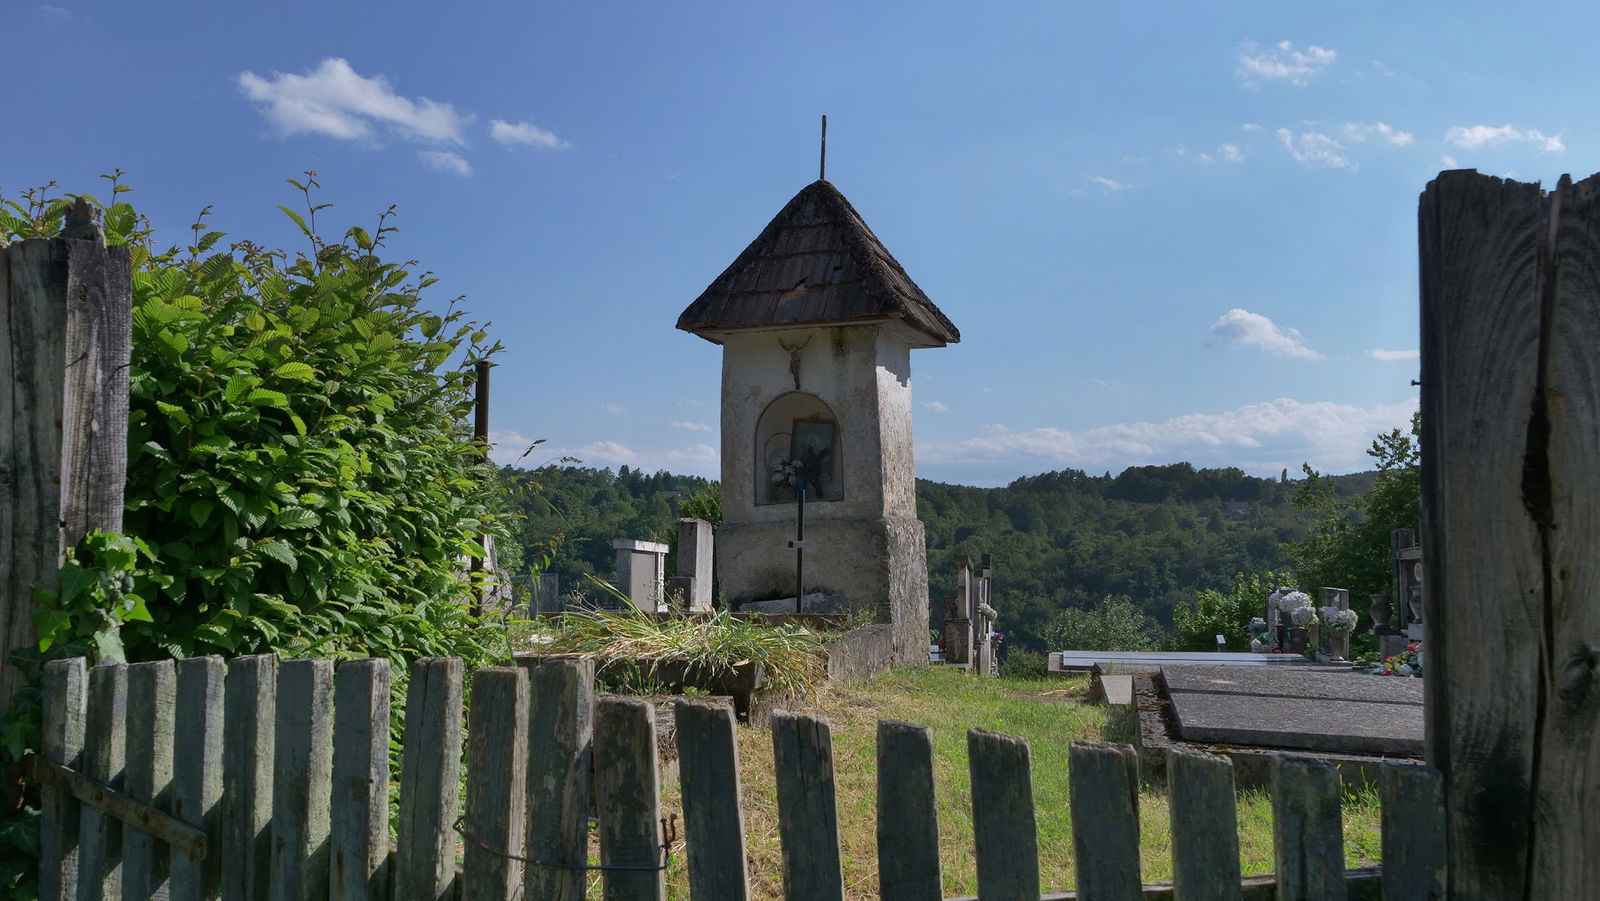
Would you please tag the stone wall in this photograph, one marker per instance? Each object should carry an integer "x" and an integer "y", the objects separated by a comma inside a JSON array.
[{"x": 862, "y": 653}]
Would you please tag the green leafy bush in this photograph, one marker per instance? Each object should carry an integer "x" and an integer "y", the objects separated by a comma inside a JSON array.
[
  {"x": 1114, "y": 624},
  {"x": 1021, "y": 663},
  {"x": 1197, "y": 624}
]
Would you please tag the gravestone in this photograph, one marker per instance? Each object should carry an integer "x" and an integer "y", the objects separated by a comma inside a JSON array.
[
  {"x": 694, "y": 564},
  {"x": 547, "y": 594},
  {"x": 641, "y": 572},
  {"x": 817, "y": 322}
]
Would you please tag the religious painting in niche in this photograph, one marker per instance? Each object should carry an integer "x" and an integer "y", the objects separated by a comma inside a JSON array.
[{"x": 812, "y": 450}]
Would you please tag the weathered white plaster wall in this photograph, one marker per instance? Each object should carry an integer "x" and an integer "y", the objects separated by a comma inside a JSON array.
[{"x": 865, "y": 549}]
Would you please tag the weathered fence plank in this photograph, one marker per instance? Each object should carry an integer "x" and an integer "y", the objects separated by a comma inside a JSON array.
[
  {"x": 1104, "y": 794},
  {"x": 359, "y": 816},
  {"x": 104, "y": 752},
  {"x": 713, "y": 813},
  {"x": 302, "y": 771},
  {"x": 61, "y": 743},
  {"x": 64, "y": 355},
  {"x": 1205, "y": 826},
  {"x": 560, "y": 751},
  {"x": 429, "y": 781},
  {"x": 249, "y": 696},
  {"x": 152, "y": 694},
  {"x": 627, "y": 799},
  {"x": 1510, "y": 419},
  {"x": 808, "y": 821},
  {"x": 497, "y": 784},
  {"x": 908, "y": 818},
  {"x": 1007, "y": 837},
  {"x": 1413, "y": 831},
  {"x": 197, "y": 772},
  {"x": 1307, "y": 835}
]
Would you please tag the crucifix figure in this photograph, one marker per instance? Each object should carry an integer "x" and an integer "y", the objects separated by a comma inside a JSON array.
[{"x": 794, "y": 357}]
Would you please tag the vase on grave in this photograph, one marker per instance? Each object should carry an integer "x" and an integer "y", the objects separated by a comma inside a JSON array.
[
  {"x": 1339, "y": 646},
  {"x": 1381, "y": 610},
  {"x": 1297, "y": 640},
  {"x": 1415, "y": 603},
  {"x": 1313, "y": 641}
]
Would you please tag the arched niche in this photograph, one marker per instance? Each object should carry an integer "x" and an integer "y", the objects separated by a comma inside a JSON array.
[{"x": 798, "y": 427}]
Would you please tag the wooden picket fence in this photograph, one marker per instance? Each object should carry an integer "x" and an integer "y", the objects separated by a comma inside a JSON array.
[{"x": 271, "y": 780}]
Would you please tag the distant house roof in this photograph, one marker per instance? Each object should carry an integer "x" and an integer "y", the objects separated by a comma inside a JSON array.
[{"x": 816, "y": 262}]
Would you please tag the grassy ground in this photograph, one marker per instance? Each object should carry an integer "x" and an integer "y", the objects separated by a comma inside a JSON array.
[{"x": 1049, "y": 714}]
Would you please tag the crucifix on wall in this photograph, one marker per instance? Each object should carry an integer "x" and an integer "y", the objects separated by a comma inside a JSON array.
[{"x": 794, "y": 357}]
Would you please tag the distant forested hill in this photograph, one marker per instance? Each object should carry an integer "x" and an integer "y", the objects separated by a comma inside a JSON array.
[{"x": 1155, "y": 534}]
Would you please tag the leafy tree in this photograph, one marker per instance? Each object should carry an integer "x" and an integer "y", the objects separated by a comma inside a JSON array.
[
  {"x": 1197, "y": 624},
  {"x": 1114, "y": 624}
]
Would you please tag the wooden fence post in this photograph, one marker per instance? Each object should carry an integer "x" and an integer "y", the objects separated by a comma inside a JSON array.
[
  {"x": 628, "y": 799},
  {"x": 808, "y": 820},
  {"x": 430, "y": 785},
  {"x": 104, "y": 753},
  {"x": 908, "y": 817},
  {"x": 1510, "y": 286},
  {"x": 497, "y": 784},
  {"x": 1307, "y": 834},
  {"x": 1205, "y": 826},
  {"x": 152, "y": 693},
  {"x": 302, "y": 773},
  {"x": 1007, "y": 835},
  {"x": 65, "y": 323},
  {"x": 1413, "y": 831},
  {"x": 62, "y": 743},
  {"x": 713, "y": 814},
  {"x": 359, "y": 819},
  {"x": 197, "y": 773},
  {"x": 560, "y": 750},
  {"x": 249, "y": 700},
  {"x": 1104, "y": 788}
]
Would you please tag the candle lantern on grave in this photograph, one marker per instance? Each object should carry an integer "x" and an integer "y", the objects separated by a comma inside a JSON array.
[{"x": 817, "y": 322}]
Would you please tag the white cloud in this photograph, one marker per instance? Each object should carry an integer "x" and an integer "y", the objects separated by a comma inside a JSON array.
[
  {"x": 1382, "y": 69},
  {"x": 1224, "y": 152},
  {"x": 1109, "y": 384},
  {"x": 1360, "y": 131},
  {"x": 1110, "y": 184},
  {"x": 1476, "y": 136},
  {"x": 334, "y": 100},
  {"x": 1231, "y": 153},
  {"x": 52, "y": 11},
  {"x": 524, "y": 133},
  {"x": 612, "y": 408},
  {"x": 696, "y": 459},
  {"x": 1282, "y": 63},
  {"x": 1314, "y": 149},
  {"x": 1448, "y": 161},
  {"x": 446, "y": 161},
  {"x": 1262, "y": 438},
  {"x": 1251, "y": 127},
  {"x": 689, "y": 426},
  {"x": 512, "y": 448},
  {"x": 1395, "y": 354},
  {"x": 936, "y": 406},
  {"x": 1242, "y": 328}
]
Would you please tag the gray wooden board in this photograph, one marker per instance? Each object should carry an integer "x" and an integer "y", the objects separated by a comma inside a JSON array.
[
  {"x": 302, "y": 774},
  {"x": 430, "y": 774},
  {"x": 197, "y": 772},
  {"x": 1344, "y": 727},
  {"x": 152, "y": 694},
  {"x": 359, "y": 815},
  {"x": 1307, "y": 838},
  {"x": 628, "y": 799},
  {"x": 908, "y": 817},
  {"x": 497, "y": 788},
  {"x": 560, "y": 752},
  {"x": 713, "y": 814},
  {"x": 64, "y": 697},
  {"x": 1104, "y": 793},
  {"x": 808, "y": 821},
  {"x": 1150, "y": 661},
  {"x": 249, "y": 699},
  {"x": 1005, "y": 831},
  {"x": 1413, "y": 831},
  {"x": 105, "y": 750},
  {"x": 1294, "y": 682},
  {"x": 1205, "y": 826}
]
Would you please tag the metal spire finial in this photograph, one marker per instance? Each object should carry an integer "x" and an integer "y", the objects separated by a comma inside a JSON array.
[{"x": 822, "y": 166}]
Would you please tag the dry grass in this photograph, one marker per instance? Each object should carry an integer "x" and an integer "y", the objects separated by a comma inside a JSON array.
[{"x": 1048, "y": 714}]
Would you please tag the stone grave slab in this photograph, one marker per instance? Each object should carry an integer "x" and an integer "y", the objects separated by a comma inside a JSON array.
[{"x": 1303, "y": 709}]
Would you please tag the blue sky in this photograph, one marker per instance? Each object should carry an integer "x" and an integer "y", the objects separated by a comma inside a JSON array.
[{"x": 1165, "y": 232}]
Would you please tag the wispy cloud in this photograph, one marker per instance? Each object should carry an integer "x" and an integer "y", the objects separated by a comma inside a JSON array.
[
  {"x": 1360, "y": 131},
  {"x": 1262, "y": 438},
  {"x": 1251, "y": 127},
  {"x": 1315, "y": 150},
  {"x": 334, "y": 100},
  {"x": 446, "y": 161},
  {"x": 1282, "y": 62},
  {"x": 1476, "y": 136},
  {"x": 1395, "y": 354},
  {"x": 936, "y": 406},
  {"x": 524, "y": 133},
  {"x": 689, "y": 426},
  {"x": 52, "y": 11},
  {"x": 1110, "y": 184},
  {"x": 1242, "y": 328},
  {"x": 696, "y": 459},
  {"x": 612, "y": 408},
  {"x": 1449, "y": 162},
  {"x": 1228, "y": 153}
]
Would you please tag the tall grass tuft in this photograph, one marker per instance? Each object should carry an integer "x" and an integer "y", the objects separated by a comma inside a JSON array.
[{"x": 791, "y": 654}]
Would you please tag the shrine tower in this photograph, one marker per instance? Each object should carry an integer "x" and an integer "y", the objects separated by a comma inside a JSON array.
[{"x": 817, "y": 321}]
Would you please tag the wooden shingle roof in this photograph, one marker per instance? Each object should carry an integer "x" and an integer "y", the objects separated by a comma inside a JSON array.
[{"x": 816, "y": 262}]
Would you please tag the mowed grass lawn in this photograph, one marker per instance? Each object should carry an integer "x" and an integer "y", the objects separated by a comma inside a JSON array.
[{"x": 1050, "y": 714}]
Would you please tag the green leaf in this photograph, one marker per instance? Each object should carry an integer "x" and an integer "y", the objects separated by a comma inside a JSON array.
[
  {"x": 279, "y": 551},
  {"x": 265, "y": 397},
  {"x": 297, "y": 518},
  {"x": 304, "y": 229},
  {"x": 295, "y": 370},
  {"x": 200, "y": 510}
]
